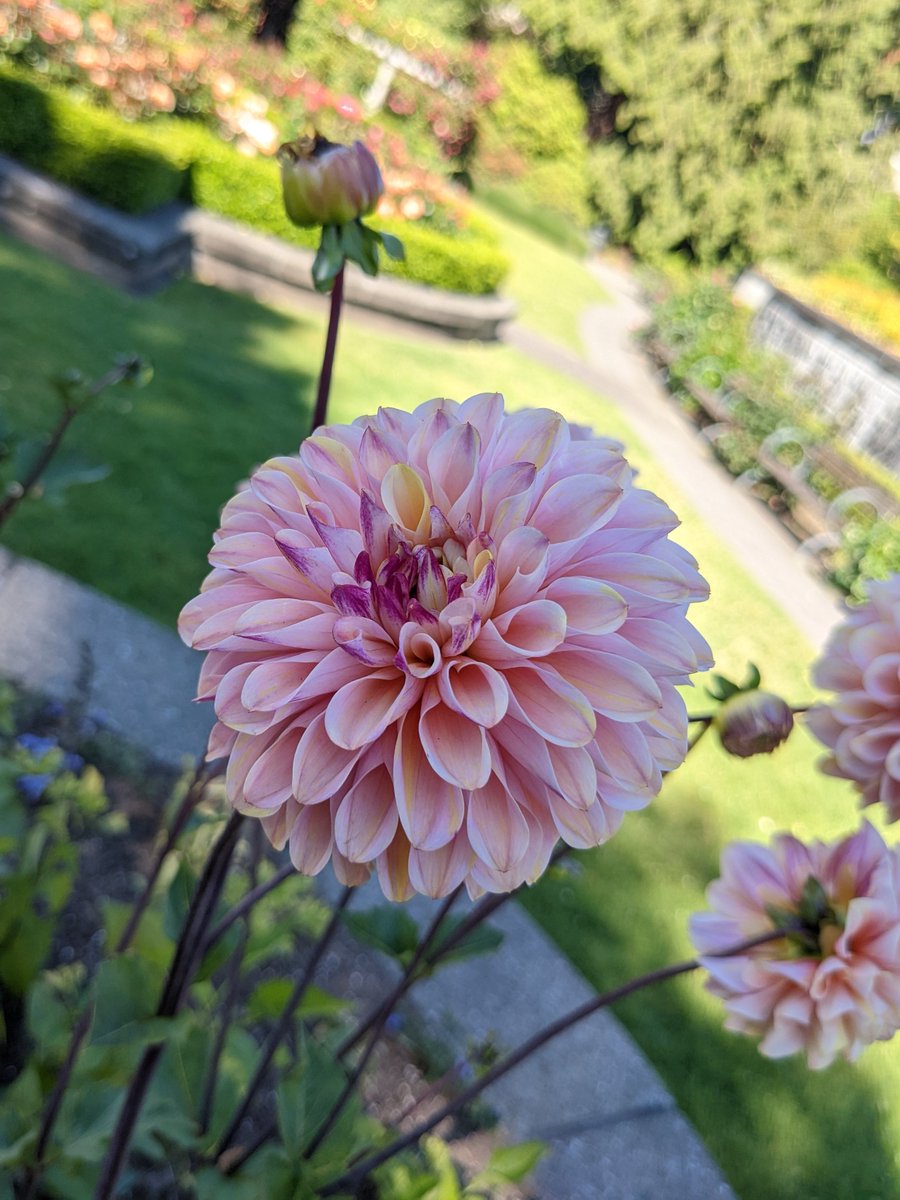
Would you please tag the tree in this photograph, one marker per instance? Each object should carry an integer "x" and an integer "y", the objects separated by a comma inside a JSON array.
[
  {"x": 737, "y": 127},
  {"x": 274, "y": 20}
]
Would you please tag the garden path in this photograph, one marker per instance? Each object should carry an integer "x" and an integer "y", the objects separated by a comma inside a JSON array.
[{"x": 615, "y": 367}]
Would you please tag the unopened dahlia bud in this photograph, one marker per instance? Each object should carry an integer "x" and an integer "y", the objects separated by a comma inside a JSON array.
[
  {"x": 753, "y": 723},
  {"x": 328, "y": 184}
]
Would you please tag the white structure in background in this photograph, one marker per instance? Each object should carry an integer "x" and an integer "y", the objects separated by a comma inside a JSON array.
[{"x": 853, "y": 384}]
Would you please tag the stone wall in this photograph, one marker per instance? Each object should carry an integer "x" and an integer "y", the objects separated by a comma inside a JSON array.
[{"x": 854, "y": 386}]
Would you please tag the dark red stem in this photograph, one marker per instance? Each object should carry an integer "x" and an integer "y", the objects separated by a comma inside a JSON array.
[
  {"x": 334, "y": 316},
  {"x": 348, "y": 1181}
]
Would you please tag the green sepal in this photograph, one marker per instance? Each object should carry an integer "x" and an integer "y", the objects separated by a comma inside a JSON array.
[
  {"x": 329, "y": 259},
  {"x": 392, "y": 247}
]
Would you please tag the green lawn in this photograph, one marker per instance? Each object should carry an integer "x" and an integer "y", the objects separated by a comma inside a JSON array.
[
  {"x": 233, "y": 385},
  {"x": 549, "y": 285}
]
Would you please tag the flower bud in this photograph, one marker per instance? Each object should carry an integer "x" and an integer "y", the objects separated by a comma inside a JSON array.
[
  {"x": 753, "y": 723},
  {"x": 328, "y": 184}
]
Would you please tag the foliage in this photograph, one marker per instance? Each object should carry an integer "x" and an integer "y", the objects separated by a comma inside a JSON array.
[
  {"x": 248, "y": 190},
  {"x": 880, "y": 238},
  {"x": 93, "y": 151},
  {"x": 138, "y": 167},
  {"x": 737, "y": 132},
  {"x": 707, "y": 338},
  {"x": 532, "y": 134},
  {"x": 49, "y": 801}
]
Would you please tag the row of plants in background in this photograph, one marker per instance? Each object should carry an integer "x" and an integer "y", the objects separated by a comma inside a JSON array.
[
  {"x": 456, "y": 103},
  {"x": 704, "y": 340},
  {"x": 135, "y": 167}
]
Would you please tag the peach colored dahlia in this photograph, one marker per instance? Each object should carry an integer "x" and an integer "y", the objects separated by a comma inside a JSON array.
[
  {"x": 438, "y": 641},
  {"x": 832, "y": 985},
  {"x": 861, "y": 727}
]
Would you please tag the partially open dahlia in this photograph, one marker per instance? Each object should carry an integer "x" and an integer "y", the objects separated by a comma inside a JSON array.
[{"x": 439, "y": 641}]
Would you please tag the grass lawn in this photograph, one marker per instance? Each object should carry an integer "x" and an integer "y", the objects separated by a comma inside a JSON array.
[
  {"x": 549, "y": 285},
  {"x": 233, "y": 385}
]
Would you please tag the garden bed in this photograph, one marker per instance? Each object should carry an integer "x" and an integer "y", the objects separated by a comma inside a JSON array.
[{"x": 141, "y": 254}]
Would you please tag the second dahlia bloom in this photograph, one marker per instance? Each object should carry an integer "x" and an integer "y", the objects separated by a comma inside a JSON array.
[
  {"x": 832, "y": 985},
  {"x": 438, "y": 641},
  {"x": 861, "y": 726}
]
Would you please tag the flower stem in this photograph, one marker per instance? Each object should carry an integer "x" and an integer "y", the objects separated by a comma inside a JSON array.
[
  {"x": 187, "y": 957},
  {"x": 334, "y": 317},
  {"x": 248, "y": 900},
  {"x": 230, "y": 989},
  {"x": 351, "y": 1179},
  {"x": 231, "y": 1163},
  {"x": 70, "y": 411},
  {"x": 377, "y": 1024}
]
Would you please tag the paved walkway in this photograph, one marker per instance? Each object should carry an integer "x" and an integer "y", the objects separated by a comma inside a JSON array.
[
  {"x": 614, "y": 1131},
  {"x": 619, "y": 370}
]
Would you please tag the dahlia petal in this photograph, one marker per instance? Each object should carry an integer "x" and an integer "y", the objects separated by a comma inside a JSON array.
[
  {"x": 576, "y": 776},
  {"x": 418, "y": 652},
  {"x": 405, "y": 499},
  {"x": 393, "y": 869},
  {"x": 437, "y": 873},
  {"x": 583, "y": 829},
  {"x": 475, "y": 690},
  {"x": 550, "y": 705},
  {"x": 361, "y": 710},
  {"x": 453, "y": 466},
  {"x": 314, "y": 564},
  {"x": 456, "y": 747},
  {"x": 496, "y": 827},
  {"x": 531, "y": 631},
  {"x": 240, "y": 549},
  {"x": 374, "y": 522},
  {"x": 320, "y": 767},
  {"x": 275, "y": 682},
  {"x": 513, "y": 480},
  {"x": 282, "y": 622},
  {"x": 613, "y": 685},
  {"x": 590, "y": 606},
  {"x": 267, "y": 784},
  {"x": 344, "y": 545},
  {"x": 575, "y": 507},
  {"x": 330, "y": 674},
  {"x": 365, "y": 640},
  {"x": 310, "y": 842},
  {"x": 366, "y": 819},
  {"x": 431, "y": 809}
]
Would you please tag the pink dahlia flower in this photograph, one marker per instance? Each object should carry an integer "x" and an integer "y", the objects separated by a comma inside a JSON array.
[
  {"x": 861, "y": 727},
  {"x": 438, "y": 641},
  {"x": 832, "y": 985}
]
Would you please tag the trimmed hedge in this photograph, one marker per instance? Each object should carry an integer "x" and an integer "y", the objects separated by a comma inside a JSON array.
[
  {"x": 138, "y": 167},
  {"x": 91, "y": 150}
]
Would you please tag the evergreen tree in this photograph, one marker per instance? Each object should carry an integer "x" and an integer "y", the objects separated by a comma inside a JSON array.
[{"x": 736, "y": 127}]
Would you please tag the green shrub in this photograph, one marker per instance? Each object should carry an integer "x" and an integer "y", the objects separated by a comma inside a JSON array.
[
  {"x": 138, "y": 167},
  {"x": 248, "y": 190},
  {"x": 533, "y": 133},
  {"x": 880, "y": 238},
  {"x": 91, "y": 150}
]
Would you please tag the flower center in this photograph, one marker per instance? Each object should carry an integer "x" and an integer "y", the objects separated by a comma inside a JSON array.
[{"x": 813, "y": 926}]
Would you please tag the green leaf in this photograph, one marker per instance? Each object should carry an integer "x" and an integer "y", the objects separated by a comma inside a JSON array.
[
  {"x": 721, "y": 688},
  {"x": 269, "y": 998},
  {"x": 306, "y": 1094},
  {"x": 753, "y": 678},
  {"x": 127, "y": 991},
  {"x": 49, "y": 1021},
  {"x": 329, "y": 259},
  {"x": 483, "y": 939},
  {"x": 393, "y": 247},
  {"x": 513, "y": 1163},
  {"x": 86, "y": 1121},
  {"x": 66, "y": 469},
  {"x": 387, "y": 927}
]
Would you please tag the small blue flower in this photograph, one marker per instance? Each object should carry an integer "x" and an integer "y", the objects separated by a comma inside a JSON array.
[
  {"x": 394, "y": 1023},
  {"x": 72, "y": 762},
  {"x": 33, "y": 787},
  {"x": 463, "y": 1069},
  {"x": 33, "y": 744},
  {"x": 53, "y": 710}
]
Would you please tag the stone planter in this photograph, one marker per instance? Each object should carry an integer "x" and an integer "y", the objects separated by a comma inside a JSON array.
[{"x": 143, "y": 254}]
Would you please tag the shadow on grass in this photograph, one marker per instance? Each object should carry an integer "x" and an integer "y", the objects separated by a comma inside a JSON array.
[
  {"x": 777, "y": 1130},
  {"x": 232, "y": 386}
]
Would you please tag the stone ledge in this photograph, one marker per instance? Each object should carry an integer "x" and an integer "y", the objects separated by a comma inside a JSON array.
[{"x": 142, "y": 254}]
